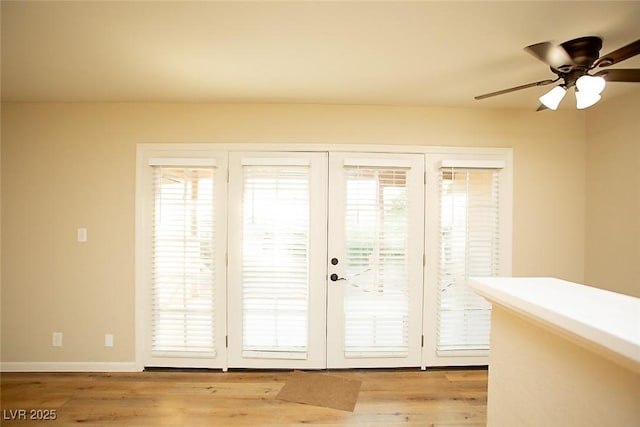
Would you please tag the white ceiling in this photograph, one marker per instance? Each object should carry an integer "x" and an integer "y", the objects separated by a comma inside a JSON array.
[{"x": 398, "y": 53}]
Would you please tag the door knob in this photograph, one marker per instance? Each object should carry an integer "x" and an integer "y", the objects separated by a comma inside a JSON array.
[{"x": 334, "y": 277}]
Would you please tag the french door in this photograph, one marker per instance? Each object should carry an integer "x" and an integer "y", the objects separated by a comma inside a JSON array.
[
  {"x": 375, "y": 260},
  {"x": 297, "y": 259},
  {"x": 277, "y": 251},
  {"x": 325, "y": 260},
  {"x": 184, "y": 224}
]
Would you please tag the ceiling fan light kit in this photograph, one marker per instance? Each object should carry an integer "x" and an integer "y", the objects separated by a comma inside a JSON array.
[
  {"x": 572, "y": 61},
  {"x": 586, "y": 99},
  {"x": 588, "y": 90},
  {"x": 552, "y": 99},
  {"x": 591, "y": 84}
]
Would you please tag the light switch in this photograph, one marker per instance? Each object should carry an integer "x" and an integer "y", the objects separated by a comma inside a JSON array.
[
  {"x": 56, "y": 339},
  {"x": 82, "y": 235},
  {"x": 108, "y": 340}
]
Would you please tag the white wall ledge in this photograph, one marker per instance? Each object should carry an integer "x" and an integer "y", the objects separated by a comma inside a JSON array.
[{"x": 604, "y": 322}]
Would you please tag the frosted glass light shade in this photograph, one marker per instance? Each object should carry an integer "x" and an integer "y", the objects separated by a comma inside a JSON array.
[
  {"x": 586, "y": 99},
  {"x": 552, "y": 98},
  {"x": 591, "y": 84}
]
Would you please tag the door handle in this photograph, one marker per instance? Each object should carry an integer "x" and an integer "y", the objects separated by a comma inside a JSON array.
[{"x": 334, "y": 277}]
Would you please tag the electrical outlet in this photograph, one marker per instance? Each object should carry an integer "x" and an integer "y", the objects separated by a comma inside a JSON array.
[
  {"x": 56, "y": 339},
  {"x": 82, "y": 235},
  {"x": 108, "y": 340}
]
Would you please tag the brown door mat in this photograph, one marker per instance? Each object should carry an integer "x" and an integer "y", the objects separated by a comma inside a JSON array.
[{"x": 320, "y": 389}]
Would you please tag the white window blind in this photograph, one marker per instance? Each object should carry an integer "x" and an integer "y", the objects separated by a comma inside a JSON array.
[
  {"x": 275, "y": 261},
  {"x": 376, "y": 298},
  {"x": 183, "y": 276},
  {"x": 469, "y": 246}
]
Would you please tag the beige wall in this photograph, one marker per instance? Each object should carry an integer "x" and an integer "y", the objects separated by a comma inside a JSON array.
[
  {"x": 66, "y": 166},
  {"x": 538, "y": 378},
  {"x": 613, "y": 196}
]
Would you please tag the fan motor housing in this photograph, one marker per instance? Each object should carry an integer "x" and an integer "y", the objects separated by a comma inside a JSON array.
[{"x": 584, "y": 51}]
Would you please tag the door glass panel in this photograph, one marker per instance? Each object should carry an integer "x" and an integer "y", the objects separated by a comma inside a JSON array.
[
  {"x": 376, "y": 296},
  {"x": 275, "y": 261},
  {"x": 183, "y": 269},
  {"x": 469, "y": 246}
]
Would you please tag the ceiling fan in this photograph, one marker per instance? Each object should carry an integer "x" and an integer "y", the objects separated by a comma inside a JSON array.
[{"x": 573, "y": 62}]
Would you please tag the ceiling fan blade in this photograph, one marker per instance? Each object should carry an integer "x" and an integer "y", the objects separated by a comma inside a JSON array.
[
  {"x": 621, "y": 75},
  {"x": 550, "y": 54},
  {"x": 513, "y": 89},
  {"x": 619, "y": 55}
]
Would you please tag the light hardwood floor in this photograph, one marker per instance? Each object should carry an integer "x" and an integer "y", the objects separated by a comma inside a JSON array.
[{"x": 243, "y": 398}]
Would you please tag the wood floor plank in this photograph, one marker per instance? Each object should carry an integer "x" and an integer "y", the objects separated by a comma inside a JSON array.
[{"x": 439, "y": 398}]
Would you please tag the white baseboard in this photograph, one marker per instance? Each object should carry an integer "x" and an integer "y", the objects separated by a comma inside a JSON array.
[{"x": 69, "y": 367}]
